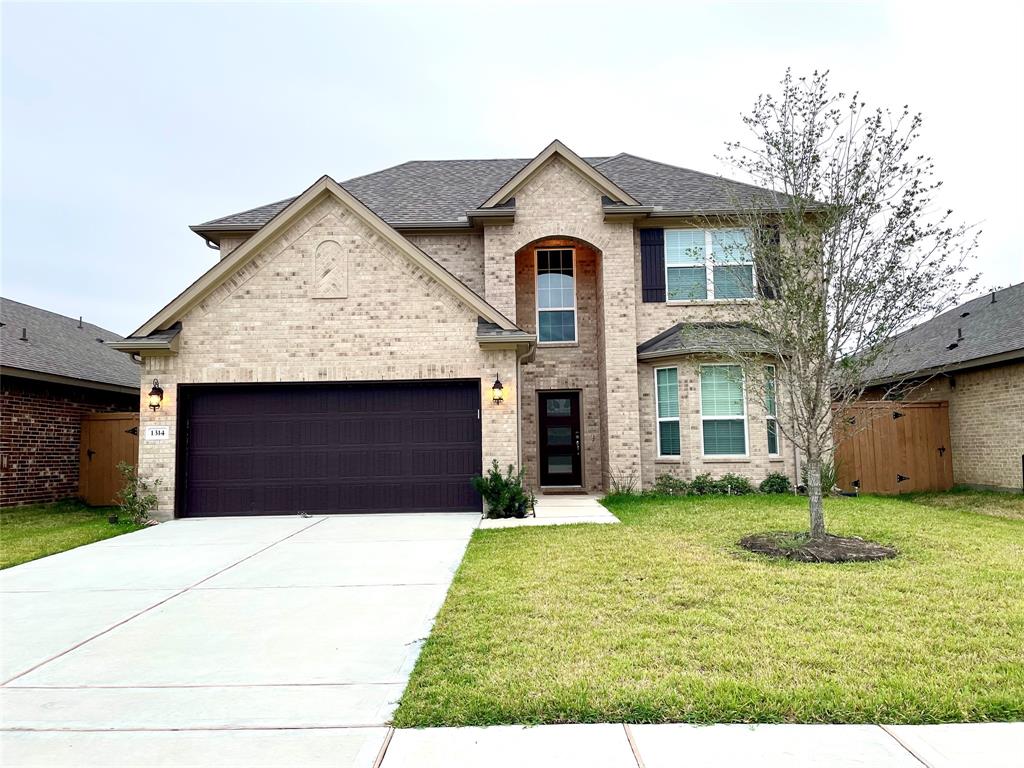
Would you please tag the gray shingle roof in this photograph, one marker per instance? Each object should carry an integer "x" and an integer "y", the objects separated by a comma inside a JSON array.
[
  {"x": 987, "y": 328},
  {"x": 57, "y": 346},
  {"x": 489, "y": 330},
  {"x": 697, "y": 338},
  {"x": 442, "y": 191}
]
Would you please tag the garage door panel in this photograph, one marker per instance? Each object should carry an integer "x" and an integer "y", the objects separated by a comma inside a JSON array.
[{"x": 284, "y": 449}]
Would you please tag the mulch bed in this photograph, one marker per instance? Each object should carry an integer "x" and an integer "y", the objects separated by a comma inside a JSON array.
[{"x": 830, "y": 549}]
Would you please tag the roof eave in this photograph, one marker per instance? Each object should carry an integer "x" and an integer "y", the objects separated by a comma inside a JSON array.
[
  {"x": 70, "y": 381},
  {"x": 963, "y": 365}
]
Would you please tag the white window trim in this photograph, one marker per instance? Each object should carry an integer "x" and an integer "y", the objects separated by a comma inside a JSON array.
[
  {"x": 709, "y": 271},
  {"x": 703, "y": 418},
  {"x": 536, "y": 299},
  {"x": 658, "y": 419},
  {"x": 773, "y": 417}
]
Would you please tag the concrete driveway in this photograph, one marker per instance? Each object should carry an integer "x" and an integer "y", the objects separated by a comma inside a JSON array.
[{"x": 268, "y": 641}]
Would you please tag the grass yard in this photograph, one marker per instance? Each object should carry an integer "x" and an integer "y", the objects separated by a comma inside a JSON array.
[
  {"x": 664, "y": 618},
  {"x": 31, "y": 532}
]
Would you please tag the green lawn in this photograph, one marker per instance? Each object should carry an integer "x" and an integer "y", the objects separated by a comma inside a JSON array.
[
  {"x": 30, "y": 532},
  {"x": 663, "y": 618}
]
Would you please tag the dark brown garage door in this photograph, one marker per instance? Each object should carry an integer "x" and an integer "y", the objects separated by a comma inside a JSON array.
[{"x": 285, "y": 449}]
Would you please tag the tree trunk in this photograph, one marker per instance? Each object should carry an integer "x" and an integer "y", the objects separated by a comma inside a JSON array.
[{"x": 814, "y": 497}]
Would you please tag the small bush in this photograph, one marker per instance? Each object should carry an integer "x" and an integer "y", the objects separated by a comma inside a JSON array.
[
  {"x": 670, "y": 485},
  {"x": 504, "y": 494},
  {"x": 137, "y": 498},
  {"x": 776, "y": 482},
  {"x": 703, "y": 485},
  {"x": 734, "y": 485}
]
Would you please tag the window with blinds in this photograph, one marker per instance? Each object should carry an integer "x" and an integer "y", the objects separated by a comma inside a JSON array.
[
  {"x": 666, "y": 397},
  {"x": 715, "y": 264},
  {"x": 723, "y": 410}
]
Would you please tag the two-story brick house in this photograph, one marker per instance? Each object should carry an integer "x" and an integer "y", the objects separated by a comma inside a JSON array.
[{"x": 342, "y": 353}]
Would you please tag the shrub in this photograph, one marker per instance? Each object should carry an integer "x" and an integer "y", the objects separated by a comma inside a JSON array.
[
  {"x": 670, "y": 485},
  {"x": 504, "y": 494},
  {"x": 776, "y": 482},
  {"x": 137, "y": 498},
  {"x": 703, "y": 485},
  {"x": 734, "y": 485}
]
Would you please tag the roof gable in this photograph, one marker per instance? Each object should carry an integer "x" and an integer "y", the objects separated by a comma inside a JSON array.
[
  {"x": 325, "y": 186},
  {"x": 585, "y": 169}
]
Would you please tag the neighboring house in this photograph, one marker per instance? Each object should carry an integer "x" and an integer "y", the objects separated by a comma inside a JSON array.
[
  {"x": 973, "y": 358},
  {"x": 341, "y": 354},
  {"x": 53, "y": 371}
]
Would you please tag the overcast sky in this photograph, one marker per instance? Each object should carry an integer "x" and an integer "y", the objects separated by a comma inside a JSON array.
[{"x": 123, "y": 124}]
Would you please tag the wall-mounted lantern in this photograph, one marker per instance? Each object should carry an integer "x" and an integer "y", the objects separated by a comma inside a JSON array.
[
  {"x": 156, "y": 395},
  {"x": 498, "y": 391}
]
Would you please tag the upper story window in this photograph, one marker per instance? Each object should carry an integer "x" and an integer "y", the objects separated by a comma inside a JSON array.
[
  {"x": 703, "y": 264},
  {"x": 556, "y": 296}
]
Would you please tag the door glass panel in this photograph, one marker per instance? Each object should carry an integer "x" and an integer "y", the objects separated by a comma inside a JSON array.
[
  {"x": 558, "y": 406},
  {"x": 560, "y": 465},
  {"x": 559, "y": 436}
]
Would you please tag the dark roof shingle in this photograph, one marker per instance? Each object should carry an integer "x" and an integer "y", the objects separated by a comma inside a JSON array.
[
  {"x": 988, "y": 328},
  {"x": 442, "y": 191},
  {"x": 57, "y": 346},
  {"x": 706, "y": 338}
]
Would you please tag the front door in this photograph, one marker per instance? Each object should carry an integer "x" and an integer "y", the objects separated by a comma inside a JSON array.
[{"x": 561, "y": 461}]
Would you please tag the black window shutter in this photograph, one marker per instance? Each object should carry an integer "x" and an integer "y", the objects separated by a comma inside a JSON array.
[
  {"x": 652, "y": 264},
  {"x": 767, "y": 267}
]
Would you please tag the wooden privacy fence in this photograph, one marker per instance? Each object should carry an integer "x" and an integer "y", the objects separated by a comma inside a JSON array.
[
  {"x": 107, "y": 440},
  {"x": 887, "y": 447}
]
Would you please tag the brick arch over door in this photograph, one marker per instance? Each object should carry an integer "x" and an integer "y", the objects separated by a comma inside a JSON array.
[{"x": 575, "y": 367}]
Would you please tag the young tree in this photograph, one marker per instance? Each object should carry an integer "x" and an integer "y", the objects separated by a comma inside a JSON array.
[{"x": 848, "y": 251}]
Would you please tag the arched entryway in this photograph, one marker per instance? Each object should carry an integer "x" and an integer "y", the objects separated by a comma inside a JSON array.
[{"x": 558, "y": 297}]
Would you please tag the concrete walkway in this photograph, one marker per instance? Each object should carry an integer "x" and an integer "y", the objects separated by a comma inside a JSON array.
[
  {"x": 559, "y": 509},
  {"x": 270, "y": 641},
  {"x": 985, "y": 745}
]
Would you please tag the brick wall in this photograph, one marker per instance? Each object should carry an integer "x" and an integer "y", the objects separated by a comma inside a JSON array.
[
  {"x": 388, "y": 320},
  {"x": 40, "y": 426},
  {"x": 986, "y": 423},
  {"x": 462, "y": 255},
  {"x": 557, "y": 202}
]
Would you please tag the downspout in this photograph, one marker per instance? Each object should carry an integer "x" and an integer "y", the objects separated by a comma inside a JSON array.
[{"x": 519, "y": 407}]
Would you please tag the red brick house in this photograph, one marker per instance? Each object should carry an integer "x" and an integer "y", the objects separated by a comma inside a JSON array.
[{"x": 53, "y": 370}]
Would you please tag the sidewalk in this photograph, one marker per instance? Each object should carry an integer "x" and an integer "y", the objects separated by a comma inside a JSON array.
[
  {"x": 982, "y": 745},
  {"x": 559, "y": 509}
]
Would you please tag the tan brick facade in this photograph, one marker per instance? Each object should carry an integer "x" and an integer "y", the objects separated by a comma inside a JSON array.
[
  {"x": 330, "y": 300},
  {"x": 557, "y": 202},
  {"x": 986, "y": 423},
  {"x": 262, "y": 325},
  {"x": 460, "y": 254}
]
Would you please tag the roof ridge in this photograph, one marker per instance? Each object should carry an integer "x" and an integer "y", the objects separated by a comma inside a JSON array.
[
  {"x": 699, "y": 173},
  {"x": 58, "y": 314}
]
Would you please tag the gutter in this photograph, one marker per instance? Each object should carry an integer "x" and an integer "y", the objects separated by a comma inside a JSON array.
[
  {"x": 978, "y": 362},
  {"x": 70, "y": 381},
  {"x": 158, "y": 346}
]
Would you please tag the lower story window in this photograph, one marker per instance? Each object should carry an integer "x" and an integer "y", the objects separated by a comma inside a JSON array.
[
  {"x": 666, "y": 397},
  {"x": 771, "y": 414},
  {"x": 723, "y": 410}
]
